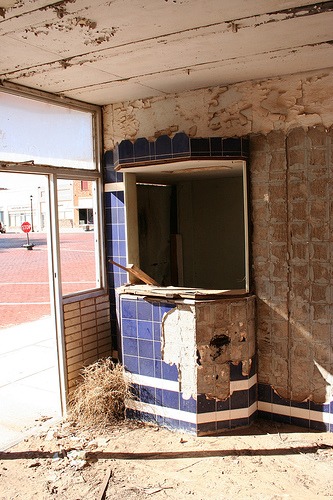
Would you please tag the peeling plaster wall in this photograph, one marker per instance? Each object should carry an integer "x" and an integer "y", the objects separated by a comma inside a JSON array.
[
  {"x": 236, "y": 110},
  {"x": 202, "y": 339},
  {"x": 179, "y": 346},
  {"x": 225, "y": 333},
  {"x": 292, "y": 213},
  {"x": 288, "y": 120}
]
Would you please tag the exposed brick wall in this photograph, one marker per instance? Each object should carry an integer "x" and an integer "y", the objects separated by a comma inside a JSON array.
[
  {"x": 292, "y": 215},
  {"x": 87, "y": 334}
]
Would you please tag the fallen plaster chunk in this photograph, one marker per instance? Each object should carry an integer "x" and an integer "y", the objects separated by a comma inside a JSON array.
[{"x": 179, "y": 346}]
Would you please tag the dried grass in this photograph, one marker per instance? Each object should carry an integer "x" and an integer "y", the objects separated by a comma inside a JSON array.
[{"x": 99, "y": 401}]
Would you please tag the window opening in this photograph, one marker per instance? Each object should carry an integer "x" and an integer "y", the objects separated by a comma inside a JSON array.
[
  {"x": 79, "y": 253},
  {"x": 192, "y": 226}
]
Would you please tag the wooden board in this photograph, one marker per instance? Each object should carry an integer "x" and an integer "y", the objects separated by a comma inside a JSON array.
[{"x": 137, "y": 272}]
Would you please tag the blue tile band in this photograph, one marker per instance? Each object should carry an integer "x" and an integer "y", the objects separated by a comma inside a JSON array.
[{"x": 165, "y": 147}]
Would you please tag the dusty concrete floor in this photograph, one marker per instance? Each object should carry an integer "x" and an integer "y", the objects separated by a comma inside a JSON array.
[{"x": 265, "y": 461}]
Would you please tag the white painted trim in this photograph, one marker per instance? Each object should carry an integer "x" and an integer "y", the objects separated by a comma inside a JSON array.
[
  {"x": 114, "y": 186},
  {"x": 236, "y": 385},
  {"x": 157, "y": 383},
  {"x": 191, "y": 417},
  {"x": 291, "y": 411},
  {"x": 162, "y": 411}
]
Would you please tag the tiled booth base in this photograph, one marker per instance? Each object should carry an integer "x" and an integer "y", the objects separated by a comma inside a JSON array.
[{"x": 191, "y": 362}]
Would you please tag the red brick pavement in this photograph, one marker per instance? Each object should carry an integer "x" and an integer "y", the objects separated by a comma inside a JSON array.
[{"x": 24, "y": 280}]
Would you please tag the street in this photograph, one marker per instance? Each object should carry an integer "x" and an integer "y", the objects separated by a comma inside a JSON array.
[{"x": 24, "y": 280}]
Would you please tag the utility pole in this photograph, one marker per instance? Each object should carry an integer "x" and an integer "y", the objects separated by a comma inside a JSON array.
[{"x": 31, "y": 214}]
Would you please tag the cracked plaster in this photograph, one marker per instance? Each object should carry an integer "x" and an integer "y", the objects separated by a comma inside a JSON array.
[{"x": 303, "y": 100}]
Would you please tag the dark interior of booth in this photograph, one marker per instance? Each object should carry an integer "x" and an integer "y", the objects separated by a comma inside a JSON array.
[{"x": 192, "y": 229}]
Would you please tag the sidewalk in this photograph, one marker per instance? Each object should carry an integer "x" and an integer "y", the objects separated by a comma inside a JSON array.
[{"x": 29, "y": 387}]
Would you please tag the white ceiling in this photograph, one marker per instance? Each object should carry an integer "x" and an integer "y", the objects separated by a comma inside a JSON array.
[{"x": 107, "y": 51}]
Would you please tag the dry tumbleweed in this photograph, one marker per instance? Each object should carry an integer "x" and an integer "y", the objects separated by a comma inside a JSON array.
[{"x": 99, "y": 400}]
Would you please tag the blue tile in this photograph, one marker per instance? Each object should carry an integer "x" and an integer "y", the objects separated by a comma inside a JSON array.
[
  {"x": 147, "y": 395},
  {"x": 180, "y": 145},
  {"x": 205, "y": 405},
  {"x": 108, "y": 171},
  {"x": 108, "y": 213},
  {"x": 121, "y": 232},
  {"x": 120, "y": 197},
  {"x": 169, "y": 372},
  {"x": 115, "y": 249},
  {"x": 300, "y": 422},
  {"x": 253, "y": 394},
  {"x": 145, "y": 330},
  {"x": 245, "y": 142},
  {"x": 222, "y": 425},
  {"x": 130, "y": 346},
  {"x": 146, "y": 367},
  {"x": 236, "y": 372},
  {"x": 200, "y": 146},
  {"x": 129, "y": 327},
  {"x": 171, "y": 423},
  {"x": 146, "y": 349},
  {"x": 322, "y": 408},
  {"x": 216, "y": 146},
  {"x": 147, "y": 417},
  {"x": 119, "y": 280},
  {"x": 141, "y": 149},
  {"x": 318, "y": 426},
  {"x": 122, "y": 249},
  {"x": 253, "y": 417},
  {"x": 223, "y": 405},
  {"x": 128, "y": 308},
  {"x": 189, "y": 405},
  {"x": 163, "y": 147},
  {"x": 135, "y": 391},
  {"x": 113, "y": 232},
  {"x": 264, "y": 415},
  {"x": 119, "y": 177},
  {"x": 156, "y": 312},
  {"x": 158, "y": 368},
  {"x": 157, "y": 331},
  {"x": 159, "y": 397},
  {"x": 126, "y": 151},
  {"x": 132, "y": 414},
  {"x": 107, "y": 200},
  {"x": 152, "y": 151},
  {"x": 131, "y": 363},
  {"x": 285, "y": 419},
  {"x": 170, "y": 399},
  {"x": 187, "y": 427},
  {"x": 157, "y": 350},
  {"x": 109, "y": 252},
  {"x": 239, "y": 399},
  {"x": 239, "y": 422},
  {"x": 165, "y": 308},
  {"x": 209, "y": 427},
  {"x": 265, "y": 393},
  {"x": 145, "y": 310},
  {"x": 280, "y": 401},
  {"x": 303, "y": 404},
  {"x": 232, "y": 147},
  {"x": 122, "y": 261},
  {"x": 121, "y": 215}
]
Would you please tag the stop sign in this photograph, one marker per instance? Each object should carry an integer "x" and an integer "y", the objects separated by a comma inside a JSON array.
[{"x": 26, "y": 227}]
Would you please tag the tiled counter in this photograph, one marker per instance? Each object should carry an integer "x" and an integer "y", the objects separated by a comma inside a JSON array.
[{"x": 191, "y": 362}]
